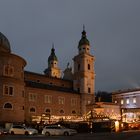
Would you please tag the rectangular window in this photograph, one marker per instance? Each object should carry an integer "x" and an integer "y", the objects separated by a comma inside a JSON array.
[
  {"x": 115, "y": 101},
  {"x": 8, "y": 70},
  {"x": 32, "y": 97},
  {"x": 89, "y": 90},
  {"x": 78, "y": 67},
  {"x": 23, "y": 93},
  {"x": 73, "y": 101},
  {"x": 11, "y": 71},
  {"x": 48, "y": 99},
  {"x": 88, "y": 66},
  {"x": 8, "y": 90},
  {"x": 61, "y": 100},
  {"x": 5, "y": 70},
  {"x": 134, "y": 100},
  {"x": 127, "y": 101}
]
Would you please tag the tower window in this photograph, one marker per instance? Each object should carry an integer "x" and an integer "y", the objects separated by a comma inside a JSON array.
[
  {"x": 89, "y": 90},
  {"x": 78, "y": 66},
  {"x": 22, "y": 107},
  {"x": 88, "y": 66}
]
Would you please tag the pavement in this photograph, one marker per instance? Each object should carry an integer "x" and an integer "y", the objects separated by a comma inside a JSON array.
[{"x": 135, "y": 135}]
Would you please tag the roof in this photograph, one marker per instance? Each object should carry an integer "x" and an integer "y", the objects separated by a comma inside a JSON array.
[
  {"x": 49, "y": 87},
  {"x": 83, "y": 40},
  {"x": 39, "y": 74},
  {"x": 4, "y": 43},
  {"x": 126, "y": 91},
  {"x": 52, "y": 56}
]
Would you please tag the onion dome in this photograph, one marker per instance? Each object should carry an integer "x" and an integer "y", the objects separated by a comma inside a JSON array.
[
  {"x": 4, "y": 44},
  {"x": 83, "y": 40},
  {"x": 52, "y": 57}
]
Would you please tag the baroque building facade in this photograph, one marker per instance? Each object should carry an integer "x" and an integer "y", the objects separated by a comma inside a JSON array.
[{"x": 33, "y": 97}]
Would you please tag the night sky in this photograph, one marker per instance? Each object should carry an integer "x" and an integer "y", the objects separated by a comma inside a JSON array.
[{"x": 112, "y": 26}]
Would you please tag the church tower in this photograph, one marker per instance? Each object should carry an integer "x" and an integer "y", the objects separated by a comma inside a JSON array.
[
  {"x": 53, "y": 70},
  {"x": 84, "y": 74}
]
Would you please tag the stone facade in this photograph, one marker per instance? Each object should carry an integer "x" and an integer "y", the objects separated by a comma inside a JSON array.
[{"x": 27, "y": 96}]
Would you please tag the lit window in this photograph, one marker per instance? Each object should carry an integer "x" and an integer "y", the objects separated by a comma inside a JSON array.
[
  {"x": 116, "y": 102},
  {"x": 61, "y": 100},
  {"x": 122, "y": 101},
  {"x": 7, "y": 106},
  {"x": 127, "y": 101},
  {"x": 73, "y": 102},
  {"x": 48, "y": 99},
  {"x": 32, "y": 109},
  {"x": 8, "y": 90},
  {"x": 89, "y": 102},
  {"x": 134, "y": 100},
  {"x": 32, "y": 97}
]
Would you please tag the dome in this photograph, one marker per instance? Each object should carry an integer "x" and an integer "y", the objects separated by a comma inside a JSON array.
[
  {"x": 83, "y": 40},
  {"x": 4, "y": 43},
  {"x": 52, "y": 57}
]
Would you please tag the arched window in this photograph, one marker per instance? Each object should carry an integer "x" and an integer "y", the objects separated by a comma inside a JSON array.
[
  {"x": 62, "y": 111},
  {"x": 32, "y": 109},
  {"x": 73, "y": 112},
  {"x": 8, "y": 106},
  {"x": 48, "y": 110}
]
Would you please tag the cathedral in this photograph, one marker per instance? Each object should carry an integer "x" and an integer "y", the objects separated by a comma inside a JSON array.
[{"x": 27, "y": 96}]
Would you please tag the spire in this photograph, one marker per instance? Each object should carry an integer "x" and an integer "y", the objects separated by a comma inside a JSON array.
[
  {"x": 52, "y": 50},
  {"x": 83, "y": 40},
  {"x": 84, "y": 32},
  {"x": 52, "y": 56}
]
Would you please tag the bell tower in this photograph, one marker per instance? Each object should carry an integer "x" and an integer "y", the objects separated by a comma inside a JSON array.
[
  {"x": 53, "y": 70},
  {"x": 84, "y": 74}
]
